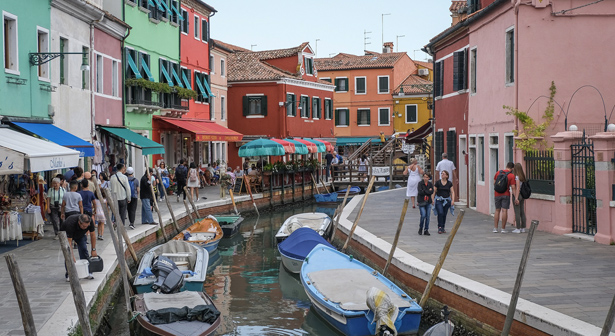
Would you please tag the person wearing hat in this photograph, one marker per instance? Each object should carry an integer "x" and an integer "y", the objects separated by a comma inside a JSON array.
[{"x": 134, "y": 195}]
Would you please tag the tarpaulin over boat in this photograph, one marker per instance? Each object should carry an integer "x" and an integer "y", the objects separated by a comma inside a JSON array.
[{"x": 301, "y": 242}]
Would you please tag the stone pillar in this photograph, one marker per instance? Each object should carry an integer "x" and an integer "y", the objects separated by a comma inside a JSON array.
[
  {"x": 562, "y": 208},
  {"x": 604, "y": 157}
]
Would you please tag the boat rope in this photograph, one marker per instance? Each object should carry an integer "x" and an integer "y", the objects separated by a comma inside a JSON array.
[{"x": 134, "y": 317}]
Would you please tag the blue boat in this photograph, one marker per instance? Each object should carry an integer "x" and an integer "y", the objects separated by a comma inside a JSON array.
[
  {"x": 337, "y": 286},
  {"x": 326, "y": 198},
  {"x": 297, "y": 246},
  {"x": 191, "y": 259},
  {"x": 353, "y": 192}
]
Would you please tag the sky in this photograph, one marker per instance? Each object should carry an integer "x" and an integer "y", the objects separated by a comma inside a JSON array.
[{"x": 339, "y": 25}]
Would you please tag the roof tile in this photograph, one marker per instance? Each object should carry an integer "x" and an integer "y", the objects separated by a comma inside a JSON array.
[
  {"x": 348, "y": 62},
  {"x": 413, "y": 84}
]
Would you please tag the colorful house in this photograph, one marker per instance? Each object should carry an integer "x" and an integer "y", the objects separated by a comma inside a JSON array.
[
  {"x": 218, "y": 61},
  {"x": 277, "y": 93},
  {"x": 412, "y": 100}
]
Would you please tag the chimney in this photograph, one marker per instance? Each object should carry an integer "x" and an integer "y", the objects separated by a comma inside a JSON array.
[{"x": 387, "y": 48}]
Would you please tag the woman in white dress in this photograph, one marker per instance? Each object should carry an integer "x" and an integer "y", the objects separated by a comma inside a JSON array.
[
  {"x": 193, "y": 181},
  {"x": 414, "y": 172}
]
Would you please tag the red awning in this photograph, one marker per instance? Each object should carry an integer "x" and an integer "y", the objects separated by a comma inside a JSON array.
[
  {"x": 329, "y": 146},
  {"x": 204, "y": 130},
  {"x": 312, "y": 148},
  {"x": 289, "y": 147}
]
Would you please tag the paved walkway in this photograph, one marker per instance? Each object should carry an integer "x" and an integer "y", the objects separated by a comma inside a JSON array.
[
  {"x": 41, "y": 264},
  {"x": 571, "y": 276}
]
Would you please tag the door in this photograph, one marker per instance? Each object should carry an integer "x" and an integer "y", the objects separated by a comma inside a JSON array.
[
  {"x": 472, "y": 178},
  {"x": 463, "y": 170},
  {"x": 493, "y": 168}
]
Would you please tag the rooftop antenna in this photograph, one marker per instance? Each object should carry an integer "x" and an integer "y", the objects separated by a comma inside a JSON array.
[
  {"x": 397, "y": 41},
  {"x": 317, "y": 47},
  {"x": 252, "y": 46},
  {"x": 365, "y": 38},
  {"x": 383, "y": 15}
]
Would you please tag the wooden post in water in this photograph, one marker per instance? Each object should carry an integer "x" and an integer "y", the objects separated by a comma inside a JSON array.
[
  {"x": 166, "y": 198},
  {"x": 196, "y": 212},
  {"x": 27, "y": 319},
  {"x": 339, "y": 214},
  {"x": 443, "y": 255},
  {"x": 356, "y": 221},
  {"x": 517, "y": 289},
  {"x": 315, "y": 185},
  {"x": 160, "y": 223},
  {"x": 112, "y": 202},
  {"x": 233, "y": 200},
  {"x": 399, "y": 226},
  {"x": 324, "y": 185},
  {"x": 75, "y": 286},
  {"x": 608, "y": 323},
  {"x": 252, "y": 197},
  {"x": 192, "y": 220}
]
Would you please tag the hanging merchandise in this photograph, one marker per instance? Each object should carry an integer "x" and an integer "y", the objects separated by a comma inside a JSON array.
[{"x": 10, "y": 226}]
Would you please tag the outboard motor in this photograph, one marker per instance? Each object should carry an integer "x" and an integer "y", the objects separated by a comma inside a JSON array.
[{"x": 169, "y": 278}]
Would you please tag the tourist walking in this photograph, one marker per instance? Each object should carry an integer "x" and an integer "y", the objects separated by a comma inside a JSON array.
[
  {"x": 71, "y": 202},
  {"x": 100, "y": 219},
  {"x": 163, "y": 176},
  {"x": 120, "y": 187},
  {"x": 134, "y": 196},
  {"x": 181, "y": 174},
  {"x": 443, "y": 197},
  {"x": 518, "y": 200},
  {"x": 425, "y": 190},
  {"x": 193, "y": 181},
  {"x": 363, "y": 167},
  {"x": 504, "y": 180},
  {"x": 446, "y": 165},
  {"x": 414, "y": 172},
  {"x": 147, "y": 198},
  {"x": 55, "y": 194},
  {"x": 87, "y": 198}
]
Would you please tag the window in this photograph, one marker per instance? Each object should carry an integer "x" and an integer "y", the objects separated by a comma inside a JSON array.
[
  {"x": 291, "y": 105},
  {"x": 481, "y": 158},
  {"x": 459, "y": 70},
  {"x": 412, "y": 114},
  {"x": 144, "y": 66},
  {"x": 509, "y": 142},
  {"x": 63, "y": 61},
  {"x": 383, "y": 84},
  {"x": 451, "y": 145},
  {"x": 43, "y": 47},
  {"x": 222, "y": 108},
  {"x": 473, "y": 70},
  {"x": 326, "y": 79},
  {"x": 156, "y": 10},
  {"x": 204, "y": 31},
  {"x": 212, "y": 108},
  {"x": 359, "y": 85},
  {"x": 222, "y": 67},
  {"x": 305, "y": 107},
  {"x": 85, "y": 75},
  {"x": 309, "y": 66},
  {"x": 316, "y": 108},
  {"x": 164, "y": 75},
  {"x": 185, "y": 22},
  {"x": 439, "y": 146},
  {"x": 11, "y": 62},
  {"x": 212, "y": 64},
  {"x": 342, "y": 117},
  {"x": 341, "y": 84},
  {"x": 439, "y": 78},
  {"x": 363, "y": 117},
  {"x": 254, "y": 105},
  {"x": 196, "y": 27},
  {"x": 132, "y": 59},
  {"x": 143, "y": 3},
  {"x": 383, "y": 116},
  {"x": 201, "y": 85},
  {"x": 328, "y": 109},
  {"x": 187, "y": 78},
  {"x": 174, "y": 12},
  {"x": 510, "y": 56},
  {"x": 473, "y": 6},
  {"x": 99, "y": 73},
  {"x": 115, "y": 79}
]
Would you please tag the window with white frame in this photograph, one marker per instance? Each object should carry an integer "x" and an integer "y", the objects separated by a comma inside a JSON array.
[
  {"x": 255, "y": 105},
  {"x": 10, "y": 45},
  {"x": 383, "y": 84},
  {"x": 360, "y": 86},
  {"x": 384, "y": 116},
  {"x": 204, "y": 31},
  {"x": 305, "y": 107},
  {"x": 412, "y": 116},
  {"x": 363, "y": 117},
  {"x": 222, "y": 108},
  {"x": 328, "y": 109},
  {"x": 185, "y": 23},
  {"x": 473, "y": 55},
  {"x": 291, "y": 105},
  {"x": 212, "y": 64},
  {"x": 309, "y": 66},
  {"x": 316, "y": 108},
  {"x": 174, "y": 12},
  {"x": 510, "y": 56},
  {"x": 115, "y": 79},
  {"x": 99, "y": 73},
  {"x": 43, "y": 47},
  {"x": 342, "y": 117},
  {"x": 481, "y": 158},
  {"x": 222, "y": 67},
  {"x": 196, "y": 27}
]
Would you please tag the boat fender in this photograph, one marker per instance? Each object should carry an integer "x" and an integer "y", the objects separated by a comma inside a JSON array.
[
  {"x": 385, "y": 311},
  {"x": 350, "y": 257}
]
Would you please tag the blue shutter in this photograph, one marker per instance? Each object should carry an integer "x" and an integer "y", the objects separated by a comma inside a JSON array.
[
  {"x": 161, "y": 5},
  {"x": 165, "y": 73},
  {"x": 146, "y": 68},
  {"x": 179, "y": 15},
  {"x": 186, "y": 81},
  {"x": 176, "y": 76},
  {"x": 133, "y": 66},
  {"x": 198, "y": 83},
  {"x": 207, "y": 88}
]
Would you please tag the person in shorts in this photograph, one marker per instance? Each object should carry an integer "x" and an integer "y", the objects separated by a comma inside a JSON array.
[{"x": 502, "y": 200}]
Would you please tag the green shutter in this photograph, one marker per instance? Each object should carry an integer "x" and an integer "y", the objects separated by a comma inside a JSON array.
[
  {"x": 337, "y": 117},
  {"x": 369, "y": 115},
  {"x": 337, "y": 84},
  {"x": 246, "y": 105},
  {"x": 264, "y": 105}
]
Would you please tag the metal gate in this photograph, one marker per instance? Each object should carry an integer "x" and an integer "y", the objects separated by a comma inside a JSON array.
[{"x": 583, "y": 187}]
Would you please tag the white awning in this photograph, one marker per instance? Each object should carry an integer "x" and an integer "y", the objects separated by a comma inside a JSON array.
[{"x": 17, "y": 148}]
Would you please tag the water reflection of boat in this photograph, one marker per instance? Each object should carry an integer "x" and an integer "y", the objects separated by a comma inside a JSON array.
[
  {"x": 313, "y": 324},
  {"x": 329, "y": 210},
  {"x": 214, "y": 261},
  {"x": 317, "y": 221},
  {"x": 230, "y": 224},
  {"x": 338, "y": 286},
  {"x": 206, "y": 232},
  {"x": 291, "y": 288},
  {"x": 297, "y": 246}
]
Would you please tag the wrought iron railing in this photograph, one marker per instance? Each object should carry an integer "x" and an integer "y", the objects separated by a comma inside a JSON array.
[{"x": 540, "y": 171}]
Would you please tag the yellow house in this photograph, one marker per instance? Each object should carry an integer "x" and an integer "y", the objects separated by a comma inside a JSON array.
[{"x": 412, "y": 99}]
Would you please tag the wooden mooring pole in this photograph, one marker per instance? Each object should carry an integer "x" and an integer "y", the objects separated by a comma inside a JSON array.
[
  {"x": 608, "y": 323},
  {"x": 399, "y": 226},
  {"x": 356, "y": 221},
  {"x": 166, "y": 199},
  {"x": 339, "y": 213},
  {"x": 112, "y": 203},
  {"x": 27, "y": 319},
  {"x": 196, "y": 212},
  {"x": 512, "y": 307}
]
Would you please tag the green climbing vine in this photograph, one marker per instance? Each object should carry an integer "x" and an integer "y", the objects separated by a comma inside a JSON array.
[
  {"x": 532, "y": 136},
  {"x": 161, "y": 87}
]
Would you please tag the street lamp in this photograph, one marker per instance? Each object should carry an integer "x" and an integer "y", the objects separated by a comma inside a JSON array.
[
  {"x": 317, "y": 47},
  {"x": 382, "y": 44},
  {"x": 42, "y": 58}
]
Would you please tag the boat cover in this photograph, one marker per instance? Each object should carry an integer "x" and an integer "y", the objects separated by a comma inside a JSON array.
[
  {"x": 348, "y": 287},
  {"x": 203, "y": 313},
  {"x": 353, "y": 191},
  {"x": 332, "y": 197},
  {"x": 155, "y": 301},
  {"x": 313, "y": 220},
  {"x": 301, "y": 242}
]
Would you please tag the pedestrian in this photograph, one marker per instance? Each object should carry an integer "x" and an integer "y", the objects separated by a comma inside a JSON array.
[
  {"x": 181, "y": 174},
  {"x": 87, "y": 198},
  {"x": 446, "y": 165},
  {"x": 76, "y": 226},
  {"x": 363, "y": 167},
  {"x": 518, "y": 200},
  {"x": 382, "y": 137},
  {"x": 329, "y": 158},
  {"x": 78, "y": 176},
  {"x": 120, "y": 187},
  {"x": 103, "y": 180},
  {"x": 504, "y": 180},
  {"x": 414, "y": 172},
  {"x": 246, "y": 167},
  {"x": 425, "y": 190},
  {"x": 229, "y": 171},
  {"x": 55, "y": 194},
  {"x": 100, "y": 218},
  {"x": 147, "y": 199},
  {"x": 163, "y": 176},
  {"x": 63, "y": 183},
  {"x": 443, "y": 195},
  {"x": 134, "y": 196},
  {"x": 71, "y": 201},
  {"x": 193, "y": 181}
]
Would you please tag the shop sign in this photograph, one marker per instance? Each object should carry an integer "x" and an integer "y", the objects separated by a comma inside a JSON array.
[
  {"x": 380, "y": 171},
  {"x": 213, "y": 137},
  {"x": 53, "y": 162},
  {"x": 407, "y": 148},
  {"x": 10, "y": 162}
]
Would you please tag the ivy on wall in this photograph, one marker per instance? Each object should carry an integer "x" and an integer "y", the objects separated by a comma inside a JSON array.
[{"x": 161, "y": 87}]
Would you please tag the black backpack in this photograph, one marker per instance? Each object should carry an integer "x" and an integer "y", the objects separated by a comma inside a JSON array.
[
  {"x": 501, "y": 182},
  {"x": 526, "y": 190}
]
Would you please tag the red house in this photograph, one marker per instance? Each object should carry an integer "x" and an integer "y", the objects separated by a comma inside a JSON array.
[{"x": 277, "y": 93}]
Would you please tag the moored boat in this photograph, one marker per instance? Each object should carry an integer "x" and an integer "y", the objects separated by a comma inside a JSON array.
[
  {"x": 338, "y": 286},
  {"x": 206, "y": 232},
  {"x": 353, "y": 192},
  {"x": 297, "y": 246},
  {"x": 326, "y": 198},
  {"x": 230, "y": 224},
  {"x": 316, "y": 221}
]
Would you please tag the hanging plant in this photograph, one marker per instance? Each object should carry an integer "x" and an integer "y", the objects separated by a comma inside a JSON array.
[
  {"x": 186, "y": 93},
  {"x": 154, "y": 86},
  {"x": 532, "y": 136}
]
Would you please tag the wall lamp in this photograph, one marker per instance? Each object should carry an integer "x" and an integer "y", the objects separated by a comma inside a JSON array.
[{"x": 42, "y": 58}]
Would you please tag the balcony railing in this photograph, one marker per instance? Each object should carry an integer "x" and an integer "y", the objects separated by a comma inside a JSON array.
[{"x": 141, "y": 100}]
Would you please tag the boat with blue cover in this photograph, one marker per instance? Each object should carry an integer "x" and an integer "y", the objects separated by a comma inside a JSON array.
[
  {"x": 316, "y": 221},
  {"x": 297, "y": 246},
  {"x": 326, "y": 198},
  {"x": 353, "y": 192},
  {"x": 341, "y": 289}
]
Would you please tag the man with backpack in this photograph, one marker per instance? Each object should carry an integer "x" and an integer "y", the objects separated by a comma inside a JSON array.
[
  {"x": 181, "y": 174},
  {"x": 134, "y": 196},
  {"x": 504, "y": 180}
]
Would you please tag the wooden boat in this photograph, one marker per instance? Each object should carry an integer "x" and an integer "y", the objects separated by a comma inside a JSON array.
[
  {"x": 230, "y": 224},
  {"x": 297, "y": 246},
  {"x": 337, "y": 285},
  {"x": 316, "y": 221},
  {"x": 206, "y": 232},
  {"x": 186, "y": 256},
  {"x": 145, "y": 303}
]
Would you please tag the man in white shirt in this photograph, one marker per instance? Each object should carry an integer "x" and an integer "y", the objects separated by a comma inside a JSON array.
[
  {"x": 121, "y": 188},
  {"x": 449, "y": 166}
]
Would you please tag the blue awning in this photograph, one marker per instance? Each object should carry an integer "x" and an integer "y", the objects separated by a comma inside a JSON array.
[
  {"x": 59, "y": 136},
  {"x": 353, "y": 141}
]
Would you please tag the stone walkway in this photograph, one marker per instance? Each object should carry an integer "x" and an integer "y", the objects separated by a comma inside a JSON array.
[{"x": 571, "y": 276}]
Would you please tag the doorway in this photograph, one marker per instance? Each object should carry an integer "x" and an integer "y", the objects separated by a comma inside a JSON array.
[
  {"x": 463, "y": 170},
  {"x": 472, "y": 178}
]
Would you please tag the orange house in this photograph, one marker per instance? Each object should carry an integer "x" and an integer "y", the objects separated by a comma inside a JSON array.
[{"x": 363, "y": 100}]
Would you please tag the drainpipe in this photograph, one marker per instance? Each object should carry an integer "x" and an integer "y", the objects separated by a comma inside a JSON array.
[{"x": 516, "y": 53}]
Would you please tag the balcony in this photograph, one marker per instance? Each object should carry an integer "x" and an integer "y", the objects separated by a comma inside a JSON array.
[
  {"x": 173, "y": 105},
  {"x": 141, "y": 100}
]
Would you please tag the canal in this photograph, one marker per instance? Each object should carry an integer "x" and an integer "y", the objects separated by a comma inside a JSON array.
[{"x": 250, "y": 287}]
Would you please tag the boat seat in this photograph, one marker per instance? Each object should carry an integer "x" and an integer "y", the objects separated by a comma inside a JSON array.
[
  {"x": 178, "y": 250},
  {"x": 155, "y": 301},
  {"x": 196, "y": 236},
  {"x": 351, "y": 294}
]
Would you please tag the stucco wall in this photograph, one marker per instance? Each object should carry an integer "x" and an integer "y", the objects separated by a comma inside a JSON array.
[{"x": 108, "y": 108}]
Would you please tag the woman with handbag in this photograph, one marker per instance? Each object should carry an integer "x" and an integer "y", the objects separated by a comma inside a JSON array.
[{"x": 518, "y": 200}]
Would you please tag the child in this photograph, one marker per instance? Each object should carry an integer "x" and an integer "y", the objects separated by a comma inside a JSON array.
[
  {"x": 71, "y": 201},
  {"x": 87, "y": 198}
]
